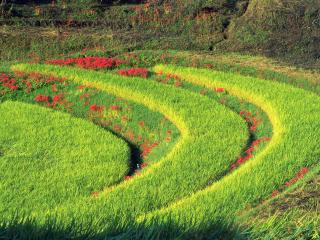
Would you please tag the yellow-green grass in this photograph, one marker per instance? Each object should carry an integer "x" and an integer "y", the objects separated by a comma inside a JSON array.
[
  {"x": 295, "y": 214},
  {"x": 49, "y": 158},
  {"x": 212, "y": 137},
  {"x": 295, "y": 115}
]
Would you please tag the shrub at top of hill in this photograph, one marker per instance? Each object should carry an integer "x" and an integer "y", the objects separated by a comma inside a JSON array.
[{"x": 278, "y": 27}]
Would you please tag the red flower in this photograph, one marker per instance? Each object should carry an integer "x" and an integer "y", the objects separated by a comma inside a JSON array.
[
  {"x": 7, "y": 82},
  {"x": 178, "y": 83},
  {"x": 253, "y": 128},
  {"x": 96, "y": 108},
  {"x": 56, "y": 99},
  {"x": 141, "y": 124},
  {"x": 275, "y": 193},
  {"x": 88, "y": 62},
  {"x": 117, "y": 128},
  {"x": 28, "y": 85},
  {"x": 81, "y": 87},
  {"x": 143, "y": 165},
  {"x": 146, "y": 148},
  {"x": 95, "y": 194},
  {"x": 137, "y": 72},
  {"x": 250, "y": 150},
  {"x": 299, "y": 175},
  {"x": 127, "y": 178},
  {"x": 54, "y": 88},
  {"x": 233, "y": 166},
  {"x": 114, "y": 108},
  {"x": 219, "y": 90},
  {"x": 13, "y": 88},
  {"x": 41, "y": 98}
]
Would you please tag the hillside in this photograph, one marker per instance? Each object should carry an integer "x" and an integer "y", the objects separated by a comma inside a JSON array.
[{"x": 286, "y": 29}]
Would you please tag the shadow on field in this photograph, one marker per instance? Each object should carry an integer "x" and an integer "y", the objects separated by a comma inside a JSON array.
[{"x": 28, "y": 230}]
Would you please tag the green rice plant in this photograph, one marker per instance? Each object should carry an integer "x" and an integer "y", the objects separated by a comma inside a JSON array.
[
  {"x": 50, "y": 158},
  {"x": 294, "y": 114},
  {"x": 212, "y": 137}
]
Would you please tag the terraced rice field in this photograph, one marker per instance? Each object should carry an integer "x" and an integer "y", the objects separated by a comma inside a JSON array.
[{"x": 92, "y": 147}]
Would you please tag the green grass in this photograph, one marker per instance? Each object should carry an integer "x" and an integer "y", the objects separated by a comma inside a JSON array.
[
  {"x": 50, "y": 158},
  {"x": 124, "y": 121},
  {"x": 169, "y": 200},
  {"x": 294, "y": 114},
  {"x": 177, "y": 174},
  {"x": 294, "y": 214}
]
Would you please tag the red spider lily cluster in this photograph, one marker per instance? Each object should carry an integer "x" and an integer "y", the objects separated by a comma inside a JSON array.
[
  {"x": 172, "y": 76},
  {"x": 249, "y": 152},
  {"x": 28, "y": 85},
  {"x": 56, "y": 99},
  {"x": 253, "y": 123},
  {"x": 30, "y": 81},
  {"x": 8, "y": 82},
  {"x": 134, "y": 72},
  {"x": 114, "y": 108},
  {"x": 96, "y": 108},
  {"x": 303, "y": 171},
  {"x": 88, "y": 62},
  {"x": 166, "y": 78},
  {"x": 299, "y": 175},
  {"x": 147, "y": 147},
  {"x": 41, "y": 98},
  {"x": 116, "y": 118},
  {"x": 141, "y": 124},
  {"x": 54, "y": 88},
  {"x": 252, "y": 120},
  {"x": 127, "y": 178},
  {"x": 219, "y": 90},
  {"x": 51, "y": 101},
  {"x": 178, "y": 83}
]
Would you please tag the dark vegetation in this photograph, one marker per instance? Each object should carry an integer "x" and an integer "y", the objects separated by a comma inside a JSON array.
[{"x": 286, "y": 29}]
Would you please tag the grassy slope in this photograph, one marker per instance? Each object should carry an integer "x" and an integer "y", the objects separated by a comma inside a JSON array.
[
  {"x": 262, "y": 68},
  {"x": 294, "y": 115},
  {"x": 295, "y": 214},
  {"x": 50, "y": 158},
  {"x": 187, "y": 169}
]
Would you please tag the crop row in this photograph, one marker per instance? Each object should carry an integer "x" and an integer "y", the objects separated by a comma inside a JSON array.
[
  {"x": 294, "y": 114},
  {"x": 208, "y": 146}
]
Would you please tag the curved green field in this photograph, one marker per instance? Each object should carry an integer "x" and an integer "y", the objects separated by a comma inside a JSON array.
[
  {"x": 171, "y": 177},
  {"x": 192, "y": 192},
  {"x": 50, "y": 158},
  {"x": 295, "y": 116}
]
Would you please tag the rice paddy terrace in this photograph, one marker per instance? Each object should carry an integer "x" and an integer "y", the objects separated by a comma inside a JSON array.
[{"x": 101, "y": 148}]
